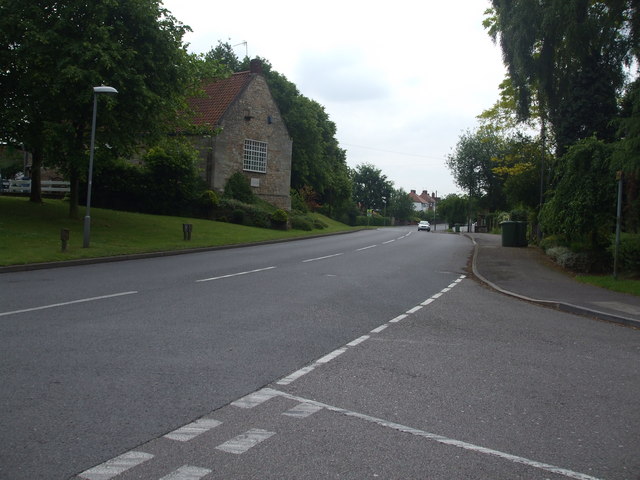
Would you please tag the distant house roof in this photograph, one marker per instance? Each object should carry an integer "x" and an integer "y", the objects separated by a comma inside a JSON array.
[
  {"x": 415, "y": 198},
  {"x": 218, "y": 95}
]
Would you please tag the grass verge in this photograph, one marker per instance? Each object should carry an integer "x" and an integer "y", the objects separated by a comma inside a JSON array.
[
  {"x": 624, "y": 285},
  {"x": 30, "y": 232}
]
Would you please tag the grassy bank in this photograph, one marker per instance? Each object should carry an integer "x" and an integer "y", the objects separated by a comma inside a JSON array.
[{"x": 30, "y": 232}]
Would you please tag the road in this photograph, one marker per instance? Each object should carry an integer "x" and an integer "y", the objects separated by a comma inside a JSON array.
[{"x": 384, "y": 358}]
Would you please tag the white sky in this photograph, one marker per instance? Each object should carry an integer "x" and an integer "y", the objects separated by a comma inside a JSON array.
[{"x": 400, "y": 79}]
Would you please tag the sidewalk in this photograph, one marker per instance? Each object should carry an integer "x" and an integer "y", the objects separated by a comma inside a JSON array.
[{"x": 528, "y": 274}]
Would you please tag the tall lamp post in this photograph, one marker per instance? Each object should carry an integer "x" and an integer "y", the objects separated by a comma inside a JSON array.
[{"x": 87, "y": 217}]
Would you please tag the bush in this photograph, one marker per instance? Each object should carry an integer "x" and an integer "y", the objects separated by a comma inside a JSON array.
[
  {"x": 301, "y": 222},
  {"x": 279, "y": 219},
  {"x": 628, "y": 253},
  {"x": 238, "y": 188}
]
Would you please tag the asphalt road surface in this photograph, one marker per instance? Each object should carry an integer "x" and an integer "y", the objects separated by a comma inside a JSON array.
[{"x": 368, "y": 355}]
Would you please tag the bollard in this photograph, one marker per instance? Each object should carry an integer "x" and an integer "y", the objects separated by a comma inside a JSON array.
[
  {"x": 64, "y": 238},
  {"x": 186, "y": 230}
]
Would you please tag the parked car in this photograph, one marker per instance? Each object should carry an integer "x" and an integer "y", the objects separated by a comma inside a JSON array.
[{"x": 424, "y": 225}]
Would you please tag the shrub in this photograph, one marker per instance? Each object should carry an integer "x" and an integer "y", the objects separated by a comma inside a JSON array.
[
  {"x": 279, "y": 219},
  {"x": 628, "y": 253},
  {"x": 238, "y": 188},
  {"x": 300, "y": 222}
]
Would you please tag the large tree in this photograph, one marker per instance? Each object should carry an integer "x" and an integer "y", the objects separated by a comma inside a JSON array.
[
  {"x": 569, "y": 56},
  {"x": 370, "y": 187},
  {"x": 51, "y": 55},
  {"x": 473, "y": 163}
]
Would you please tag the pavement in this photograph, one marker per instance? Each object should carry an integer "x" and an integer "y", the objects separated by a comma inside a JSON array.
[{"x": 528, "y": 274}]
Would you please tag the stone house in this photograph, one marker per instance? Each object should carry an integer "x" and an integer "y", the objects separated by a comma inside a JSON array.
[{"x": 252, "y": 137}]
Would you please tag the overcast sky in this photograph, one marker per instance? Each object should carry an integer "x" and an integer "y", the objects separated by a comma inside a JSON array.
[{"x": 400, "y": 79}]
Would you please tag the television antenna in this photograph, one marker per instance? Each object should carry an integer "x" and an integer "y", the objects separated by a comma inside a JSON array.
[{"x": 246, "y": 48}]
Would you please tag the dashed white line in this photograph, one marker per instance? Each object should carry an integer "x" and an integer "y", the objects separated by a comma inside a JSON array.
[
  {"x": 327, "y": 358},
  {"x": 235, "y": 274},
  {"x": 62, "y": 304},
  {"x": 427, "y": 302},
  {"x": 388, "y": 241},
  {"x": 188, "y": 432},
  {"x": 296, "y": 375},
  {"x": 254, "y": 399},
  {"x": 366, "y": 248},
  {"x": 187, "y": 472},
  {"x": 244, "y": 442},
  {"x": 398, "y": 318},
  {"x": 358, "y": 341},
  {"x": 415, "y": 309},
  {"x": 322, "y": 258},
  {"x": 116, "y": 466},
  {"x": 380, "y": 328}
]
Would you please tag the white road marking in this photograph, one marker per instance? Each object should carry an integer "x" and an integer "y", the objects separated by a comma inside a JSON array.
[
  {"x": 244, "y": 442},
  {"x": 322, "y": 258},
  {"x": 357, "y": 341},
  {"x": 116, "y": 466},
  {"x": 440, "y": 438},
  {"x": 366, "y": 248},
  {"x": 253, "y": 399},
  {"x": 236, "y": 274},
  {"x": 327, "y": 358},
  {"x": 427, "y": 302},
  {"x": 83, "y": 300},
  {"x": 187, "y": 472},
  {"x": 398, "y": 318},
  {"x": 380, "y": 328},
  {"x": 414, "y": 309},
  {"x": 388, "y": 241},
  {"x": 302, "y": 410},
  {"x": 437, "y": 295},
  {"x": 296, "y": 375},
  {"x": 192, "y": 430}
]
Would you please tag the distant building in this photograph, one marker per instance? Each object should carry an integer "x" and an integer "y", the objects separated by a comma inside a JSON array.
[
  {"x": 423, "y": 202},
  {"x": 253, "y": 138}
]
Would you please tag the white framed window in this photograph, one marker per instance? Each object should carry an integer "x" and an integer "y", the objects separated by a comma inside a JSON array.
[{"x": 255, "y": 156}]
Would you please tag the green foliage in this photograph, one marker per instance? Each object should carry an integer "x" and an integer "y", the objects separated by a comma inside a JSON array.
[
  {"x": 370, "y": 186},
  {"x": 628, "y": 253},
  {"x": 301, "y": 222},
  {"x": 472, "y": 164},
  {"x": 454, "y": 209},
  {"x": 568, "y": 56},
  {"x": 239, "y": 188},
  {"x": 297, "y": 202},
  {"x": 582, "y": 205},
  {"x": 172, "y": 179},
  {"x": 400, "y": 206},
  {"x": 280, "y": 216},
  {"x": 133, "y": 45}
]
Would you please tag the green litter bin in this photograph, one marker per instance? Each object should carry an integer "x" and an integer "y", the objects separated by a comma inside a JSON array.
[{"x": 514, "y": 234}]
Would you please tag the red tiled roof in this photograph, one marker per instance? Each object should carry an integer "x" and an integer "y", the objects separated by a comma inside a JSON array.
[
  {"x": 416, "y": 198},
  {"x": 218, "y": 95}
]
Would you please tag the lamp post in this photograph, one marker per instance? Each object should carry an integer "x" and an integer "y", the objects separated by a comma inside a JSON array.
[{"x": 87, "y": 217}]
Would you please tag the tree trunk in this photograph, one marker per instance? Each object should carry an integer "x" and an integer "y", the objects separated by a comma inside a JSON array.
[{"x": 36, "y": 183}]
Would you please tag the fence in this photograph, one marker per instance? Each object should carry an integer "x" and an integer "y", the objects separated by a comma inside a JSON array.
[{"x": 51, "y": 187}]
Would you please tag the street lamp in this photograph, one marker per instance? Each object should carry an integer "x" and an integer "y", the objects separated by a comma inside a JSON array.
[{"x": 87, "y": 217}]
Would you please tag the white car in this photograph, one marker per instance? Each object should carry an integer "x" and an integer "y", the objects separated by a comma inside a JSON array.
[{"x": 424, "y": 225}]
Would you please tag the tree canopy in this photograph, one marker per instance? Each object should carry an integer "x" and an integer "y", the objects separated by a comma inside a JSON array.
[
  {"x": 52, "y": 54},
  {"x": 570, "y": 57}
]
